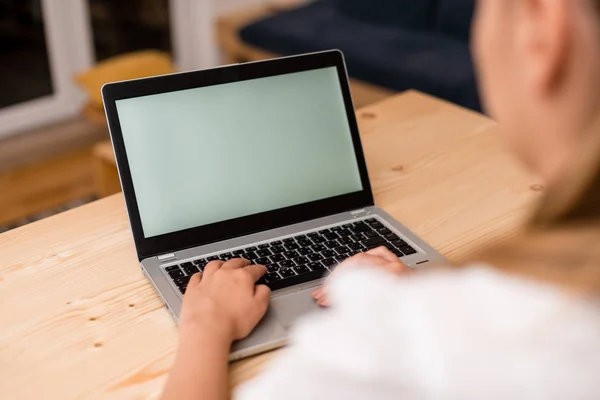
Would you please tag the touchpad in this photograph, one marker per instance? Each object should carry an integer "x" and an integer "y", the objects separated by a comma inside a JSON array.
[{"x": 288, "y": 308}]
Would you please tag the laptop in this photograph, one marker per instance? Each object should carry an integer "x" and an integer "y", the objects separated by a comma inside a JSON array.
[{"x": 261, "y": 161}]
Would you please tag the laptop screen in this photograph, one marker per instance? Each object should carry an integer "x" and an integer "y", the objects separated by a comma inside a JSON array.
[{"x": 216, "y": 153}]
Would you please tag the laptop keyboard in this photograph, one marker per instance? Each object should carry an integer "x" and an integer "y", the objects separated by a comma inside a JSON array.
[{"x": 305, "y": 257}]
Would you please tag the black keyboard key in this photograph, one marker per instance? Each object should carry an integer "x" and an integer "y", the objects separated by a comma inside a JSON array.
[
  {"x": 328, "y": 262},
  {"x": 390, "y": 237},
  {"x": 186, "y": 264},
  {"x": 336, "y": 229},
  {"x": 238, "y": 252},
  {"x": 399, "y": 243},
  {"x": 304, "y": 242},
  {"x": 341, "y": 250},
  {"x": 383, "y": 231},
  {"x": 398, "y": 253},
  {"x": 289, "y": 240},
  {"x": 277, "y": 249},
  {"x": 286, "y": 272},
  {"x": 262, "y": 261},
  {"x": 286, "y": 264},
  {"x": 374, "y": 242},
  {"x": 190, "y": 269},
  {"x": 226, "y": 256},
  {"x": 182, "y": 289},
  {"x": 212, "y": 258},
  {"x": 318, "y": 239},
  {"x": 371, "y": 220},
  {"x": 201, "y": 261},
  {"x": 172, "y": 268},
  {"x": 358, "y": 237},
  {"x": 314, "y": 257},
  {"x": 263, "y": 246},
  {"x": 344, "y": 233},
  {"x": 272, "y": 267},
  {"x": 251, "y": 256},
  {"x": 201, "y": 266},
  {"x": 324, "y": 231},
  {"x": 316, "y": 266},
  {"x": 182, "y": 281},
  {"x": 312, "y": 234},
  {"x": 301, "y": 260},
  {"x": 291, "y": 254},
  {"x": 251, "y": 249},
  {"x": 332, "y": 244},
  {"x": 276, "y": 243},
  {"x": 304, "y": 251},
  {"x": 341, "y": 258},
  {"x": 389, "y": 246},
  {"x": 328, "y": 253},
  {"x": 291, "y": 246},
  {"x": 370, "y": 234},
  {"x": 376, "y": 225},
  {"x": 318, "y": 248},
  {"x": 345, "y": 240},
  {"x": 263, "y": 252},
  {"x": 302, "y": 269},
  {"x": 277, "y": 257},
  {"x": 176, "y": 274},
  {"x": 407, "y": 250},
  {"x": 298, "y": 279},
  {"x": 301, "y": 237},
  {"x": 331, "y": 236},
  {"x": 272, "y": 277},
  {"x": 361, "y": 227},
  {"x": 356, "y": 246}
]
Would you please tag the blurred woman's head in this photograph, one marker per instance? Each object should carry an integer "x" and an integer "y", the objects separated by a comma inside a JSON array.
[{"x": 538, "y": 63}]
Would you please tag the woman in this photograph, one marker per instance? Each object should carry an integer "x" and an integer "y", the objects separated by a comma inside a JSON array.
[{"x": 521, "y": 320}]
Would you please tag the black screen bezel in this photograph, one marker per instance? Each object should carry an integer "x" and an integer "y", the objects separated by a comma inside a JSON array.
[{"x": 170, "y": 242}]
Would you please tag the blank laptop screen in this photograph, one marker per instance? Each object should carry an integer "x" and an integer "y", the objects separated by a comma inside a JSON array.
[{"x": 216, "y": 153}]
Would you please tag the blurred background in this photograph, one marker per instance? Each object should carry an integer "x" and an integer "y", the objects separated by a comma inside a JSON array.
[{"x": 55, "y": 55}]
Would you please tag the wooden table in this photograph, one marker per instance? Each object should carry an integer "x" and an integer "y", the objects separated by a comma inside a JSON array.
[{"x": 79, "y": 320}]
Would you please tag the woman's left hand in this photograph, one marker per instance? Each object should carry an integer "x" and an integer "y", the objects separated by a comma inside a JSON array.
[
  {"x": 225, "y": 299},
  {"x": 220, "y": 305}
]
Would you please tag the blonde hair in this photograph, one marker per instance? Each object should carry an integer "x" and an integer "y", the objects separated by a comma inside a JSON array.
[{"x": 560, "y": 244}]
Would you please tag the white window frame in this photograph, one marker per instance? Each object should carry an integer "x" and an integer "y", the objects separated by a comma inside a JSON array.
[
  {"x": 70, "y": 50},
  {"x": 193, "y": 34},
  {"x": 64, "y": 32}
]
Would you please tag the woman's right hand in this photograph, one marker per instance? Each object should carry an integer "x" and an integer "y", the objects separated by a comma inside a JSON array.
[{"x": 380, "y": 257}]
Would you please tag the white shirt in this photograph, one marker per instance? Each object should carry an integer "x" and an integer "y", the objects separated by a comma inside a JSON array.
[{"x": 468, "y": 334}]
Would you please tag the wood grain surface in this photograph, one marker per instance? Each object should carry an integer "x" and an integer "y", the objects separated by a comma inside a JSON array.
[{"x": 78, "y": 319}]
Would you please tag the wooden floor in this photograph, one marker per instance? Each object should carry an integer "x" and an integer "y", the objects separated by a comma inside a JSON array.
[{"x": 45, "y": 170}]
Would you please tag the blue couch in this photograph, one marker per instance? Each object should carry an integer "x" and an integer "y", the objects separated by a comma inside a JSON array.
[{"x": 397, "y": 44}]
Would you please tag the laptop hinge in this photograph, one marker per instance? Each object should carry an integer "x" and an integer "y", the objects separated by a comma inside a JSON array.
[{"x": 167, "y": 257}]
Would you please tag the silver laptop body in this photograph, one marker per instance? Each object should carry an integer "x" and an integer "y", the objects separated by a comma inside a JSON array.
[{"x": 296, "y": 195}]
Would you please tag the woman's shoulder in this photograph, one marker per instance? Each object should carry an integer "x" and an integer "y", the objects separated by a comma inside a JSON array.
[
  {"x": 475, "y": 301},
  {"x": 468, "y": 333},
  {"x": 457, "y": 325}
]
